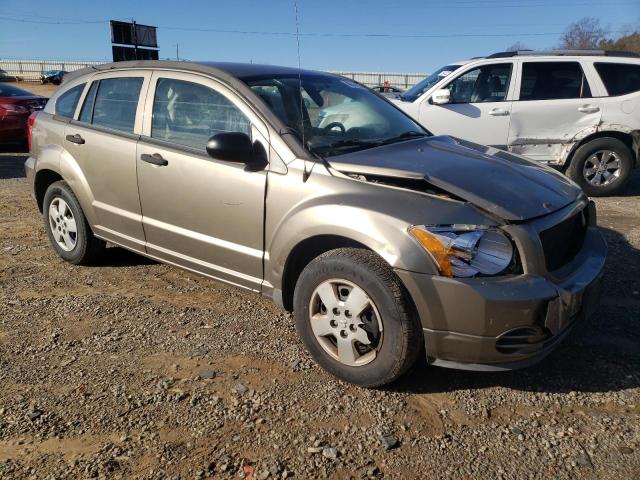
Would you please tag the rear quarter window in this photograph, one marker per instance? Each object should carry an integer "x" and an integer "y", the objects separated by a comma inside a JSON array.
[
  {"x": 67, "y": 102},
  {"x": 619, "y": 78}
]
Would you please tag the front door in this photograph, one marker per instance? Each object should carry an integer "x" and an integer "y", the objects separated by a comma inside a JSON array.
[
  {"x": 103, "y": 143},
  {"x": 554, "y": 104},
  {"x": 199, "y": 212},
  {"x": 479, "y": 109}
]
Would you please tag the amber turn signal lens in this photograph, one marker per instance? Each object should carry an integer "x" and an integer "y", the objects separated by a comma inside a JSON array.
[{"x": 438, "y": 250}]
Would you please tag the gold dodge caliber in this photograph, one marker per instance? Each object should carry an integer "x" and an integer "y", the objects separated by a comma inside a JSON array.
[{"x": 386, "y": 242}]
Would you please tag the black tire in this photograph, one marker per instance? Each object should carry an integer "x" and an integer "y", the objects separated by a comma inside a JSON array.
[
  {"x": 584, "y": 152},
  {"x": 87, "y": 247},
  {"x": 402, "y": 339}
]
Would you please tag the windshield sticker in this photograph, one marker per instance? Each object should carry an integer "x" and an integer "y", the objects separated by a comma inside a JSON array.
[{"x": 445, "y": 73}]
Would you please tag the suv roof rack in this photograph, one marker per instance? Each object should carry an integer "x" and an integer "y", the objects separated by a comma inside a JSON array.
[{"x": 568, "y": 53}]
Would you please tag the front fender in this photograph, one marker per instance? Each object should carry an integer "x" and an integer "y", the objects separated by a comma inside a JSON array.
[
  {"x": 374, "y": 215},
  {"x": 385, "y": 235}
]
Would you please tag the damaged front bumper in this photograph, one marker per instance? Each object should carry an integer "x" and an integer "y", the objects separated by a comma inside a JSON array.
[{"x": 509, "y": 322}]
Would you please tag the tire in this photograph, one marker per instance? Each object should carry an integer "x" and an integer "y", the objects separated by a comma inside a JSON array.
[
  {"x": 596, "y": 149},
  {"x": 84, "y": 247},
  {"x": 400, "y": 341}
]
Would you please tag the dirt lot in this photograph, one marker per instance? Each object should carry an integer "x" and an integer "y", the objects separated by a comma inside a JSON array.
[
  {"x": 37, "y": 88},
  {"x": 132, "y": 369}
]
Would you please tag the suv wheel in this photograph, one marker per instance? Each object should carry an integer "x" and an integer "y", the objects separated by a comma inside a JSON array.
[
  {"x": 601, "y": 166},
  {"x": 67, "y": 227},
  {"x": 356, "y": 318}
]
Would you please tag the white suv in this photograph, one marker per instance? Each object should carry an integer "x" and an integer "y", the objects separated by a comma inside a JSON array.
[{"x": 577, "y": 110}]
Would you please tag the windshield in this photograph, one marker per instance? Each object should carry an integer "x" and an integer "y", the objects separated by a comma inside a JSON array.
[
  {"x": 423, "y": 85},
  {"x": 9, "y": 91},
  {"x": 336, "y": 115}
]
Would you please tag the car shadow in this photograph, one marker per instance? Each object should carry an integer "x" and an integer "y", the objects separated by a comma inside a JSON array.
[
  {"x": 12, "y": 158},
  {"x": 632, "y": 188},
  {"x": 115, "y": 256},
  {"x": 466, "y": 109},
  {"x": 602, "y": 354}
]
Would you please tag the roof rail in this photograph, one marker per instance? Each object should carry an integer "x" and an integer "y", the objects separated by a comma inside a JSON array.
[{"x": 567, "y": 53}]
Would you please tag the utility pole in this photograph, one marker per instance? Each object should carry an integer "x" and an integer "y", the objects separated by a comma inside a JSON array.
[
  {"x": 177, "y": 52},
  {"x": 135, "y": 38}
]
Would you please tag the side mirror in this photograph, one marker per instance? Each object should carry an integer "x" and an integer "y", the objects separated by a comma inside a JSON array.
[
  {"x": 441, "y": 96},
  {"x": 231, "y": 146},
  {"x": 237, "y": 147}
]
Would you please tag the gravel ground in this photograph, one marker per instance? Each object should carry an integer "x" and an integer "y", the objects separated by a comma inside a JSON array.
[{"x": 133, "y": 369}]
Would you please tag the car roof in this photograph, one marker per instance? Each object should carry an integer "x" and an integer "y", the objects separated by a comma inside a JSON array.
[
  {"x": 248, "y": 70},
  {"x": 565, "y": 53},
  {"x": 223, "y": 70}
]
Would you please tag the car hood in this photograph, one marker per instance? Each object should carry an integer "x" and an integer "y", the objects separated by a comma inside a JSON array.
[{"x": 496, "y": 181}]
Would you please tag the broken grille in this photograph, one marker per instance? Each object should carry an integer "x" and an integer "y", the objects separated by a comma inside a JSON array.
[{"x": 562, "y": 242}]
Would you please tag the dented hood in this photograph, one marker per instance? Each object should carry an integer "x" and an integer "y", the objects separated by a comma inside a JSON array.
[{"x": 496, "y": 181}]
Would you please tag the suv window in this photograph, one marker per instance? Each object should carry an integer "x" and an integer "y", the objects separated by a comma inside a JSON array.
[
  {"x": 553, "y": 81},
  {"x": 488, "y": 83},
  {"x": 67, "y": 102},
  {"x": 189, "y": 114},
  {"x": 116, "y": 103},
  {"x": 619, "y": 78}
]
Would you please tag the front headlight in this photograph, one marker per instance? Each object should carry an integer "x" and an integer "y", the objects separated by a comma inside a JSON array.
[{"x": 465, "y": 250}]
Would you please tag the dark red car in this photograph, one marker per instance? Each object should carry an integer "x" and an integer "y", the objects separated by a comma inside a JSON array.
[{"x": 15, "y": 107}]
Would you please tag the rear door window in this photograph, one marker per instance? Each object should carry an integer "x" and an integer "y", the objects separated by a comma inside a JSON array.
[
  {"x": 67, "y": 102},
  {"x": 553, "y": 81},
  {"x": 619, "y": 78},
  {"x": 186, "y": 113},
  {"x": 116, "y": 103}
]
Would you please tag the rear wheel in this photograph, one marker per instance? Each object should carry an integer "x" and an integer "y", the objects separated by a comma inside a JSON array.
[
  {"x": 356, "y": 318},
  {"x": 602, "y": 166},
  {"x": 67, "y": 227}
]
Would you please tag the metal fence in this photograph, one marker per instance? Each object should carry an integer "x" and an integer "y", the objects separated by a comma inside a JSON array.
[
  {"x": 395, "y": 79},
  {"x": 30, "y": 71}
]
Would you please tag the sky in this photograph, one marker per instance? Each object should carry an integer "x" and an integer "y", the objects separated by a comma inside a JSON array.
[{"x": 353, "y": 35}]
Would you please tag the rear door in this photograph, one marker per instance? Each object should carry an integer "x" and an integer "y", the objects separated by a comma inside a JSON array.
[
  {"x": 103, "y": 143},
  {"x": 199, "y": 212},
  {"x": 554, "y": 103},
  {"x": 479, "y": 108}
]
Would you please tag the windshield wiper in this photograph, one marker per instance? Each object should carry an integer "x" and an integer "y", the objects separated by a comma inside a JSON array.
[
  {"x": 403, "y": 136},
  {"x": 355, "y": 143},
  {"x": 340, "y": 144}
]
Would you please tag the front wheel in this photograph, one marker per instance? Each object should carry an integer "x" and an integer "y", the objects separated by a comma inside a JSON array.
[
  {"x": 356, "y": 318},
  {"x": 602, "y": 166}
]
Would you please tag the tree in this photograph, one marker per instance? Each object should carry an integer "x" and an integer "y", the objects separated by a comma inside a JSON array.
[
  {"x": 517, "y": 47},
  {"x": 585, "y": 33},
  {"x": 628, "y": 43}
]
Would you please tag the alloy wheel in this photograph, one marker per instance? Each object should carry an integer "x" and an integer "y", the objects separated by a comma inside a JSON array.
[
  {"x": 63, "y": 224},
  {"x": 345, "y": 322},
  {"x": 602, "y": 168}
]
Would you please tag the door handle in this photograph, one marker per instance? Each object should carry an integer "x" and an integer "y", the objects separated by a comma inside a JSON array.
[
  {"x": 589, "y": 109},
  {"x": 155, "y": 159},
  {"x": 498, "y": 112},
  {"x": 77, "y": 139}
]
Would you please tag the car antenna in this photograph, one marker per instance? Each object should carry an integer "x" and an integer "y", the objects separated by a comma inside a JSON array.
[{"x": 305, "y": 172}]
